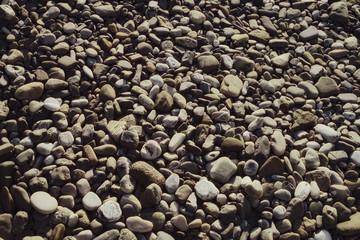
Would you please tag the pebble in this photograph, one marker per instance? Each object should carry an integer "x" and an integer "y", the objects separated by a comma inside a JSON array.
[
  {"x": 91, "y": 201},
  {"x": 206, "y": 190},
  {"x": 30, "y": 91},
  {"x": 138, "y": 225},
  {"x": 151, "y": 150},
  {"x": 109, "y": 211},
  {"x": 302, "y": 190},
  {"x": 43, "y": 202},
  {"x": 222, "y": 169}
]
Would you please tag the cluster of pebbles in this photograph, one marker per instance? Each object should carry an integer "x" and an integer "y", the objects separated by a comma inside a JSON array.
[{"x": 179, "y": 119}]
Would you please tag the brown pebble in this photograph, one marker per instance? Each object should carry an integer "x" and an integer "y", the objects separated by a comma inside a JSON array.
[
  {"x": 58, "y": 232},
  {"x": 146, "y": 174}
]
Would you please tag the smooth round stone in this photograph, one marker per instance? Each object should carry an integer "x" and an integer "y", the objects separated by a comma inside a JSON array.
[
  {"x": 110, "y": 211},
  {"x": 52, "y": 104},
  {"x": 173, "y": 63},
  {"x": 254, "y": 189},
  {"x": 197, "y": 17},
  {"x": 312, "y": 160},
  {"x": 283, "y": 195},
  {"x": 139, "y": 225},
  {"x": 164, "y": 236},
  {"x": 43, "y": 202},
  {"x": 302, "y": 190},
  {"x": 279, "y": 212},
  {"x": 176, "y": 140},
  {"x": 223, "y": 169},
  {"x": 355, "y": 158},
  {"x": 150, "y": 150},
  {"x": 69, "y": 27},
  {"x": 44, "y": 148},
  {"x": 315, "y": 190},
  {"x": 251, "y": 167},
  {"x": 172, "y": 183},
  {"x": 206, "y": 190},
  {"x": 66, "y": 139},
  {"x": 91, "y": 201},
  {"x": 322, "y": 235},
  {"x": 91, "y": 52}
]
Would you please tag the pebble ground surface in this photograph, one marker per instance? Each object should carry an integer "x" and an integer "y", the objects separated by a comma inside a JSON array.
[{"x": 179, "y": 119}]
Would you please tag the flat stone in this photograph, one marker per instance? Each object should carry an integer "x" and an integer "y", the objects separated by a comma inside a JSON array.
[
  {"x": 146, "y": 174},
  {"x": 309, "y": 33},
  {"x": 302, "y": 190},
  {"x": 327, "y": 87},
  {"x": 278, "y": 144},
  {"x": 105, "y": 10},
  {"x": 232, "y": 144},
  {"x": 197, "y": 17},
  {"x": 328, "y": 133},
  {"x": 187, "y": 42},
  {"x": 163, "y": 101},
  {"x": 151, "y": 150},
  {"x": 112, "y": 234},
  {"x": 243, "y": 64},
  {"x": 43, "y": 202},
  {"x": 91, "y": 201},
  {"x": 6, "y": 223},
  {"x": 281, "y": 60},
  {"x": 260, "y": 36},
  {"x": 206, "y": 190},
  {"x": 67, "y": 62},
  {"x": 222, "y": 170},
  {"x": 303, "y": 120},
  {"x": 208, "y": 63},
  {"x": 231, "y": 86},
  {"x": 272, "y": 166},
  {"x": 339, "y": 12},
  {"x": 138, "y": 225},
  {"x": 126, "y": 234},
  {"x": 254, "y": 189},
  {"x": 109, "y": 211},
  {"x": 33, "y": 90},
  {"x": 107, "y": 92}
]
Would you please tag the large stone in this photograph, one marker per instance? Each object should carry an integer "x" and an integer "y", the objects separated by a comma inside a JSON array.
[
  {"x": 309, "y": 33},
  {"x": 206, "y": 190},
  {"x": 116, "y": 128},
  {"x": 232, "y": 144},
  {"x": 339, "y": 12},
  {"x": 303, "y": 120},
  {"x": 109, "y": 211},
  {"x": 43, "y": 202},
  {"x": 186, "y": 41},
  {"x": 197, "y": 17},
  {"x": 243, "y": 64},
  {"x": 327, "y": 87},
  {"x": 208, "y": 63},
  {"x": 146, "y": 174},
  {"x": 105, "y": 10},
  {"x": 7, "y": 13},
  {"x": 6, "y": 225},
  {"x": 350, "y": 227},
  {"x": 281, "y": 60},
  {"x": 272, "y": 166},
  {"x": 231, "y": 86},
  {"x": 107, "y": 92},
  {"x": 163, "y": 102},
  {"x": 222, "y": 169},
  {"x": 67, "y": 62},
  {"x": 260, "y": 36},
  {"x": 30, "y": 91},
  {"x": 139, "y": 225}
]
